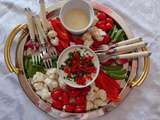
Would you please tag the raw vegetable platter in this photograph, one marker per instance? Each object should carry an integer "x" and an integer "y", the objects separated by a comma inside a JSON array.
[{"x": 115, "y": 79}]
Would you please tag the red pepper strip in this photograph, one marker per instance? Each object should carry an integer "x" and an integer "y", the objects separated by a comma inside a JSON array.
[
  {"x": 108, "y": 62},
  {"x": 111, "y": 87},
  {"x": 62, "y": 33},
  {"x": 78, "y": 41}
]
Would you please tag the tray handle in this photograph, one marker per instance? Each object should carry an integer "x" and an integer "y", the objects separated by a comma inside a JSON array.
[
  {"x": 146, "y": 69},
  {"x": 7, "y": 48}
]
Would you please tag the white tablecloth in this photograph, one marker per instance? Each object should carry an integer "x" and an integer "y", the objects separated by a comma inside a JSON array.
[{"x": 143, "y": 103}]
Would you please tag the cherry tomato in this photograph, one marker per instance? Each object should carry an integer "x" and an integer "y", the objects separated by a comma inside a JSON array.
[
  {"x": 57, "y": 94},
  {"x": 109, "y": 26},
  {"x": 66, "y": 69},
  {"x": 65, "y": 98},
  {"x": 101, "y": 15},
  {"x": 70, "y": 108},
  {"x": 100, "y": 23},
  {"x": 109, "y": 20},
  {"x": 80, "y": 109},
  {"x": 106, "y": 39},
  {"x": 74, "y": 93},
  {"x": 81, "y": 81},
  {"x": 81, "y": 100},
  {"x": 57, "y": 104}
]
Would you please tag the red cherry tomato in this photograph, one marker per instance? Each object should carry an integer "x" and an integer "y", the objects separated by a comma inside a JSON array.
[
  {"x": 74, "y": 93},
  {"x": 65, "y": 98},
  {"x": 81, "y": 100},
  {"x": 80, "y": 109},
  {"x": 109, "y": 20},
  {"x": 100, "y": 23},
  {"x": 57, "y": 104},
  {"x": 81, "y": 81},
  {"x": 109, "y": 26},
  {"x": 101, "y": 15},
  {"x": 69, "y": 108},
  {"x": 57, "y": 94},
  {"x": 106, "y": 39}
]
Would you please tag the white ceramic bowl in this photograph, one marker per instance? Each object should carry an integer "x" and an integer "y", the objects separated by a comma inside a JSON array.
[
  {"x": 78, "y": 4},
  {"x": 64, "y": 55}
]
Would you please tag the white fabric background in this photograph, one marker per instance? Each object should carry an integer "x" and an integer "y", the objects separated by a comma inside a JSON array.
[{"x": 143, "y": 103}]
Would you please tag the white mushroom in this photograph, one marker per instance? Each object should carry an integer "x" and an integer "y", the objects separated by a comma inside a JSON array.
[
  {"x": 52, "y": 84},
  {"x": 53, "y": 73},
  {"x": 90, "y": 105},
  {"x": 44, "y": 93},
  {"x": 55, "y": 41},
  {"x": 97, "y": 33},
  {"x": 38, "y": 77},
  {"x": 52, "y": 34}
]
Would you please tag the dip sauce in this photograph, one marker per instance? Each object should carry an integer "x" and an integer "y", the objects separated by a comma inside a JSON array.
[{"x": 76, "y": 19}]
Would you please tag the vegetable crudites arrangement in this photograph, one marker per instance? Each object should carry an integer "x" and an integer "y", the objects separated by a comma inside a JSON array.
[{"x": 79, "y": 68}]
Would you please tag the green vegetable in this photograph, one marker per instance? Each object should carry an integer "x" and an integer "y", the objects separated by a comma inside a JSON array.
[
  {"x": 31, "y": 68},
  {"x": 116, "y": 72},
  {"x": 116, "y": 76},
  {"x": 114, "y": 32},
  {"x": 112, "y": 68},
  {"x": 117, "y": 36}
]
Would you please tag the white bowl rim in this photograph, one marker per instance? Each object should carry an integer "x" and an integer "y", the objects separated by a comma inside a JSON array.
[{"x": 97, "y": 67}]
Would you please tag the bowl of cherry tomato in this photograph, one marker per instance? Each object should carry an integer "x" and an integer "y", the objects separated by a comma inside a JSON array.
[{"x": 78, "y": 66}]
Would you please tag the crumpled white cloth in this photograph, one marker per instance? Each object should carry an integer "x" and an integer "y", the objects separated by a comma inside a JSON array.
[{"x": 143, "y": 103}]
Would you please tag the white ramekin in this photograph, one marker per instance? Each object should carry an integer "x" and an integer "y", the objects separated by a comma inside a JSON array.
[
  {"x": 80, "y": 4},
  {"x": 64, "y": 55}
]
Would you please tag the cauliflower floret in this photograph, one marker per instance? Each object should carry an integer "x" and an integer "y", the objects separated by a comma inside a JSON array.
[
  {"x": 101, "y": 94},
  {"x": 88, "y": 43},
  {"x": 44, "y": 93},
  {"x": 91, "y": 96},
  {"x": 53, "y": 73},
  {"x": 38, "y": 85},
  {"x": 52, "y": 84},
  {"x": 99, "y": 102},
  {"x": 87, "y": 37},
  {"x": 38, "y": 77},
  {"x": 90, "y": 105}
]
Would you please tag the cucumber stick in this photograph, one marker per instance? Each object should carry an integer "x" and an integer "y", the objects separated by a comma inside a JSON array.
[
  {"x": 113, "y": 68},
  {"x": 116, "y": 72},
  {"x": 117, "y": 36},
  {"x": 117, "y": 76},
  {"x": 114, "y": 32}
]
